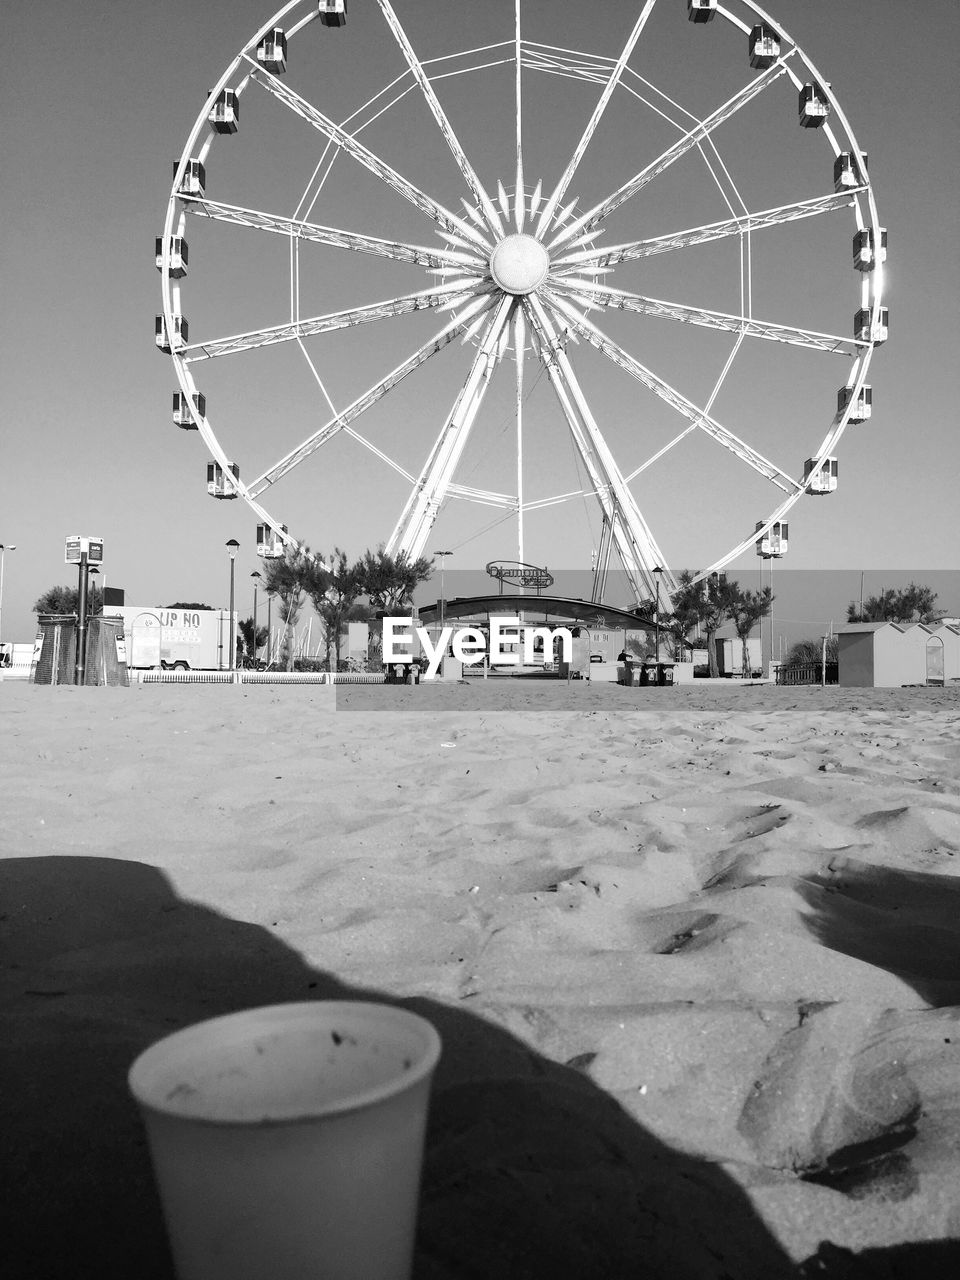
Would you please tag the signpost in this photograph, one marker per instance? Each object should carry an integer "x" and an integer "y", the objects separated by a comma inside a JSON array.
[{"x": 82, "y": 552}]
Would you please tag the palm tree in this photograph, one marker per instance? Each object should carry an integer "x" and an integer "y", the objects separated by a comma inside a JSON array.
[
  {"x": 334, "y": 589},
  {"x": 390, "y": 581},
  {"x": 745, "y": 611},
  {"x": 917, "y": 603},
  {"x": 716, "y": 602},
  {"x": 687, "y": 611},
  {"x": 879, "y": 608},
  {"x": 284, "y": 578},
  {"x": 914, "y": 603},
  {"x": 251, "y": 641}
]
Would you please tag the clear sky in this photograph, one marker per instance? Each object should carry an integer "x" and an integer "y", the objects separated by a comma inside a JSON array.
[{"x": 99, "y": 101}]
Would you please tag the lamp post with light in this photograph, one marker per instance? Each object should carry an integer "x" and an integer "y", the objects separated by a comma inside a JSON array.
[
  {"x": 443, "y": 599},
  {"x": 656, "y": 609},
  {"x": 442, "y": 555},
  {"x": 94, "y": 572},
  {"x": 233, "y": 546},
  {"x": 256, "y": 581},
  {"x": 3, "y": 549}
]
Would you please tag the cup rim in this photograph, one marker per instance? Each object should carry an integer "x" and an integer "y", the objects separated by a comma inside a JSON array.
[{"x": 149, "y": 1061}]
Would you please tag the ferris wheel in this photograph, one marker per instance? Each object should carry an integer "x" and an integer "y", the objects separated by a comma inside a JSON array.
[{"x": 688, "y": 156}]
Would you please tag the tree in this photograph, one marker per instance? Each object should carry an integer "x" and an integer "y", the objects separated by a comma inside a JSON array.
[
  {"x": 334, "y": 588},
  {"x": 716, "y": 602},
  {"x": 875, "y": 608},
  {"x": 390, "y": 581},
  {"x": 687, "y": 611},
  {"x": 251, "y": 641},
  {"x": 284, "y": 578},
  {"x": 745, "y": 611},
  {"x": 915, "y": 603},
  {"x": 65, "y": 600},
  {"x": 187, "y": 604},
  {"x": 806, "y": 652}
]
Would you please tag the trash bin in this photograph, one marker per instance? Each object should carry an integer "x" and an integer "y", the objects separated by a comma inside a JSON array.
[
  {"x": 658, "y": 673},
  {"x": 55, "y": 650}
]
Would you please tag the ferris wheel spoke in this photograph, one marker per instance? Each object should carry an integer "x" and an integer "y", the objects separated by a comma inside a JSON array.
[
  {"x": 634, "y": 540},
  {"x": 585, "y": 328},
  {"x": 555, "y": 200},
  {"x": 438, "y": 113},
  {"x": 449, "y": 333},
  {"x": 423, "y": 505},
  {"x": 586, "y": 291},
  {"x": 446, "y": 295},
  {"x": 519, "y": 198},
  {"x": 336, "y": 237},
  {"x": 485, "y": 497},
  {"x": 735, "y": 226},
  {"x": 387, "y": 174},
  {"x": 593, "y": 217}
]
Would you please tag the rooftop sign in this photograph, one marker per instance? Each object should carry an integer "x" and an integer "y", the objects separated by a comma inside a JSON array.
[{"x": 524, "y": 575}]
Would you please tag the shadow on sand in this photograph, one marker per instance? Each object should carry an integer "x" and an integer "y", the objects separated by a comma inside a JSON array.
[
  {"x": 532, "y": 1172},
  {"x": 906, "y": 922}
]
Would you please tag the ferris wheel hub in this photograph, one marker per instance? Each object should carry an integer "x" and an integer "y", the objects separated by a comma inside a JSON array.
[{"x": 519, "y": 264}]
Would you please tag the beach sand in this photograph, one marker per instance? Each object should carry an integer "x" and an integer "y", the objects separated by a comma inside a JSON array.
[{"x": 694, "y": 955}]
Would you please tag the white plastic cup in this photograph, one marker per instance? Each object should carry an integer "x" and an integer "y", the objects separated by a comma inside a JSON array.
[{"x": 287, "y": 1141}]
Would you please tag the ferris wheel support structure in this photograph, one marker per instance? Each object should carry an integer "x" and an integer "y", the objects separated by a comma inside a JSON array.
[{"x": 518, "y": 268}]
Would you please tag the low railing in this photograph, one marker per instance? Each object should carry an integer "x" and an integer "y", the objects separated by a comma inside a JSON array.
[
  {"x": 256, "y": 677},
  {"x": 808, "y": 673}
]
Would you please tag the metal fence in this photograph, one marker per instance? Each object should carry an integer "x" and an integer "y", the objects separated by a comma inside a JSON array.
[{"x": 808, "y": 673}]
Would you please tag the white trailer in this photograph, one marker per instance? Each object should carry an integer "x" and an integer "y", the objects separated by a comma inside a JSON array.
[{"x": 176, "y": 639}]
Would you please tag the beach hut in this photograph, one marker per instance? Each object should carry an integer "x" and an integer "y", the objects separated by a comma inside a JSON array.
[
  {"x": 943, "y": 648},
  {"x": 888, "y": 655}
]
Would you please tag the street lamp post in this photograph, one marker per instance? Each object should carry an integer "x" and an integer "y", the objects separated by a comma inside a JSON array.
[
  {"x": 233, "y": 546},
  {"x": 79, "y": 671},
  {"x": 256, "y": 579},
  {"x": 443, "y": 555},
  {"x": 656, "y": 609},
  {"x": 443, "y": 599},
  {"x": 3, "y": 549}
]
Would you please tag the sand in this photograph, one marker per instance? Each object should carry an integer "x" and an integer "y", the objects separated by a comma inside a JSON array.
[{"x": 694, "y": 955}]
